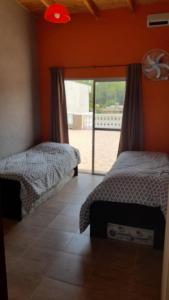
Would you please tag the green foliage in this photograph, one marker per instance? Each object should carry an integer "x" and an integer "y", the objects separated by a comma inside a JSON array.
[
  {"x": 107, "y": 93},
  {"x": 110, "y": 93}
]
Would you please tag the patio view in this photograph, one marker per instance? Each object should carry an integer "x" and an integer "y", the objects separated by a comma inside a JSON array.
[{"x": 95, "y": 121}]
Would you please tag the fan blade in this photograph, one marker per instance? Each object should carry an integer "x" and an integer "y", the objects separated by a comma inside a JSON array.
[
  {"x": 164, "y": 66},
  {"x": 150, "y": 61},
  {"x": 148, "y": 70},
  {"x": 156, "y": 67},
  {"x": 158, "y": 58}
]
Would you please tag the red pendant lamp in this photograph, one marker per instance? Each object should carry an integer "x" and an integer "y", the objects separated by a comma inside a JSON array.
[{"x": 57, "y": 13}]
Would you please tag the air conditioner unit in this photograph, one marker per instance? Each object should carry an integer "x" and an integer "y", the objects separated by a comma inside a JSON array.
[{"x": 158, "y": 20}]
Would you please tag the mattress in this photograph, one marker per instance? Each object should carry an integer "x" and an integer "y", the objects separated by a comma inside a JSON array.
[
  {"x": 136, "y": 178},
  {"x": 38, "y": 170}
]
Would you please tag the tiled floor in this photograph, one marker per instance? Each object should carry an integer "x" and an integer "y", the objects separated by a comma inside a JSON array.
[{"x": 47, "y": 258}]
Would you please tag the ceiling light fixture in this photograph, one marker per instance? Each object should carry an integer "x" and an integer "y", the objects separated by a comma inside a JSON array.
[{"x": 57, "y": 13}]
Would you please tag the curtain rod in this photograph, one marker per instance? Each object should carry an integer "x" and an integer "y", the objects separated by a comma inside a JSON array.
[{"x": 96, "y": 67}]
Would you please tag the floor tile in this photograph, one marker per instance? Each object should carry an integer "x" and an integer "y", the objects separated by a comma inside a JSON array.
[
  {"x": 39, "y": 219},
  {"x": 70, "y": 268},
  {"x": 81, "y": 245},
  {"x": 71, "y": 210},
  {"x": 53, "y": 239},
  {"x": 52, "y": 289},
  {"x": 65, "y": 223},
  {"x": 22, "y": 286},
  {"x": 27, "y": 266}
]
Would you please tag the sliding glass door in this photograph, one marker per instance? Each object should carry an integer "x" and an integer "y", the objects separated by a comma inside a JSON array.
[
  {"x": 107, "y": 119},
  {"x": 95, "y": 109},
  {"x": 79, "y": 98}
]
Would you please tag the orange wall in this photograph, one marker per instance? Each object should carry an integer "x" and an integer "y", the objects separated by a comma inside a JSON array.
[{"x": 118, "y": 37}]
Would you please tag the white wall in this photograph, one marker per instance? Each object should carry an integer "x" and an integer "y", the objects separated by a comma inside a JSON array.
[
  {"x": 77, "y": 97},
  {"x": 19, "y": 100}
]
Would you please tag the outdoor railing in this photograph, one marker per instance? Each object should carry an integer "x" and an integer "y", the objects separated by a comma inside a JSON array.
[
  {"x": 108, "y": 121},
  {"x": 85, "y": 120}
]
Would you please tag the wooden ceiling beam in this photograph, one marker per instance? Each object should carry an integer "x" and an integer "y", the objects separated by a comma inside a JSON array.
[
  {"x": 131, "y": 4},
  {"x": 45, "y": 2},
  {"x": 91, "y": 6},
  {"x": 23, "y": 6}
]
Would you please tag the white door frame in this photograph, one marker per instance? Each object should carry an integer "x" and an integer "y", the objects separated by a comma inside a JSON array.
[{"x": 165, "y": 275}]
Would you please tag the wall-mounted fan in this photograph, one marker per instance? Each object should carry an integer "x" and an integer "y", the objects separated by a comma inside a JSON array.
[{"x": 155, "y": 65}]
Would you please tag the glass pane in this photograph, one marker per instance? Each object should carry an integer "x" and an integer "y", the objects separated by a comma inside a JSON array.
[
  {"x": 109, "y": 102},
  {"x": 79, "y": 98},
  {"x": 106, "y": 147}
]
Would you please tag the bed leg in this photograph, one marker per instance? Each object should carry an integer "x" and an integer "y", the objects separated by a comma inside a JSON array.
[{"x": 75, "y": 171}]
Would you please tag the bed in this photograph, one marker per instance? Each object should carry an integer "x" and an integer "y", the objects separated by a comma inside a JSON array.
[
  {"x": 31, "y": 177},
  {"x": 132, "y": 197}
]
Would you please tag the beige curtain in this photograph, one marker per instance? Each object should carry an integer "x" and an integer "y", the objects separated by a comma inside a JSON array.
[
  {"x": 131, "y": 138},
  {"x": 59, "y": 125}
]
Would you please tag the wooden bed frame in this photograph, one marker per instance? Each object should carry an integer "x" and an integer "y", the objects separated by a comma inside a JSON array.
[
  {"x": 10, "y": 198},
  {"x": 135, "y": 215}
]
